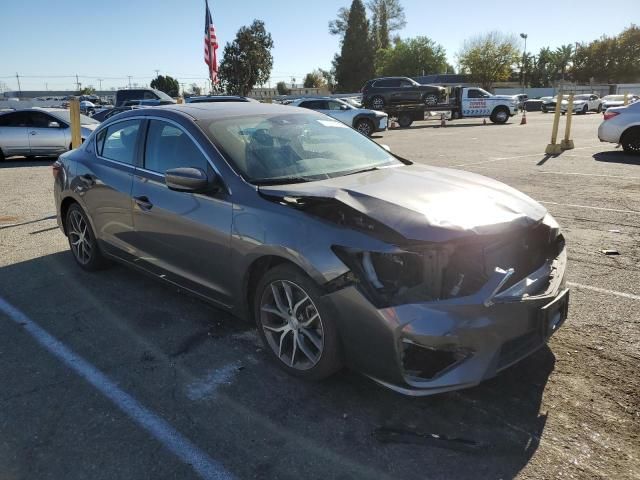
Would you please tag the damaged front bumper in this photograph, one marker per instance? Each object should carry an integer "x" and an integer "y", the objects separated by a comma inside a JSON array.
[{"x": 432, "y": 347}]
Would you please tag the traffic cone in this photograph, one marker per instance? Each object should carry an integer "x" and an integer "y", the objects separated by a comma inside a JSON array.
[
  {"x": 484, "y": 121},
  {"x": 442, "y": 121},
  {"x": 524, "y": 118}
]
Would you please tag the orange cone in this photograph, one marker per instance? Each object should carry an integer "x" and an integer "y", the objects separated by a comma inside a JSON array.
[
  {"x": 442, "y": 121},
  {"x": 524, "y": 118}
]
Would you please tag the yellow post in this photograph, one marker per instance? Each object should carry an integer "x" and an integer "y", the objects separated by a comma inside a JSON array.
[
  {"x": 554, "y": 148},
  {"x": 567, "y": 143},
  {"x": 74, "y": 112},
  {"x": 626, "y": 99}
]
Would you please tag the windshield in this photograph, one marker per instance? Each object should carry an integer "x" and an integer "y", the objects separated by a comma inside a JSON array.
[
  {"x": 582, "y": 97},
  {"x": 294, "y": 147},
  {"x": 66, "y": 117},
  {"x": 611, "y": 98}
]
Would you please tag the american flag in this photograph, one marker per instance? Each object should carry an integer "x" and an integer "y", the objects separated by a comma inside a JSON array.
[{"x": 210, "y": 45}]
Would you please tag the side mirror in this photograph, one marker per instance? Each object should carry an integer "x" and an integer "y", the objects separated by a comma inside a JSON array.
[
  {"x": 386, "y": 147},
  {"x": 344, "y": 107},
  {"x": 53, "y": 125},
  {"x": 193, "y": 180}
]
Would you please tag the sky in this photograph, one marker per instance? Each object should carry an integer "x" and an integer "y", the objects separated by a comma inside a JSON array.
[{"x": 49, "y": 42}]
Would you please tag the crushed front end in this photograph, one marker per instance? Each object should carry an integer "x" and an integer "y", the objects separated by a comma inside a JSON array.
[{"x": 428, "y": 318}]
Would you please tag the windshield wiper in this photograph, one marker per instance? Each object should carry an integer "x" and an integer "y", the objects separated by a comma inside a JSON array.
[
  {"x": 360, "y": 171},
  {"x": 280, "y": 180}
]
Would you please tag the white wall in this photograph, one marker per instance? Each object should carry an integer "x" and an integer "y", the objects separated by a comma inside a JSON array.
[{"x": 623, "y": 88}]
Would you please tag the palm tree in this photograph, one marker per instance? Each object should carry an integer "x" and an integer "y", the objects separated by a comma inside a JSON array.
[{"x": 563, "y": 56}]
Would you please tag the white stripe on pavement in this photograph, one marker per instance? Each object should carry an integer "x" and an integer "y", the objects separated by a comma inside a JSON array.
[
  {"x": 604, "y": 290},
  {"x": 171, "y": 439},
  {"x": 626, "y": 177},
  {"x": 590, "y": 207}
]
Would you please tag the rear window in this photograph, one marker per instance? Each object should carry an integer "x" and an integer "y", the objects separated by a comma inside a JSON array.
[{"x": 387, "y": 83}]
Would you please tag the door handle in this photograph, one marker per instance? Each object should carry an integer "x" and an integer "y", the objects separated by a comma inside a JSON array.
[
  {"x": 143, "y": 202},
  {"x": 32, "y": 132}
]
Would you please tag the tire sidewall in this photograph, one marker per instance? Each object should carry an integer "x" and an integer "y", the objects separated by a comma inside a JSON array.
[
  {"x": 97, "y": 261},
  {"x": 367, "y": 122},
  {"x": 331, "y": 359},
  {"x": 494, "y": 115}
]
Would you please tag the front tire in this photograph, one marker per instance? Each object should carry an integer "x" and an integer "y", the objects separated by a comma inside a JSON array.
[
  {"x": 631, "y": 141},
  {"x": 599, "y": 108},
  {"x": 365, "y": 127},
  {"x": 585, "y": 109},
  {"x": 296, "y": 324},
  {"x": 499, "y": 115},
  {"x": 82, "y": 241},
  {"x": 405, "y": 120}
]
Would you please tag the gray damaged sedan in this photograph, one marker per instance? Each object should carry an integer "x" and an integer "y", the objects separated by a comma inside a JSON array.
[{"x": 424, "y": 279}]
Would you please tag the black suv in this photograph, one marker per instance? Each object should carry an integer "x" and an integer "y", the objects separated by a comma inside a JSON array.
[{"x": 384, "y": 92}]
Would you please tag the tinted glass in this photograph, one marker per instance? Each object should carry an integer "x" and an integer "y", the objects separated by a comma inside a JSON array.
[
  {"x": 333, "y": 105},
  {"x": 120, "y": 141},
  {"x": 40, "y": 120},
  {"x": 170, "y": 147},
  {"x": 272, "y": 148},
  {"x": 315, "y": 105},
  {"x": 18, "y": 119}
]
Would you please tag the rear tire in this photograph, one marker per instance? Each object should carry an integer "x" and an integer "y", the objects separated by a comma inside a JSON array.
[
  {"x": 82, "y": 240},
  {"x": 585, "y": 110},
  {"x": 317, "y": 354},
  {"x": 405, "y": 120},
  {"x": 499, "y": 115},
  {"x": 631, "y": 141},
  {"x": 377, "y": 103},
  {"x": 599, "y": 108}
]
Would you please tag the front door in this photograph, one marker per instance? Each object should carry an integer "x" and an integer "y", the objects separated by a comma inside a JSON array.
[
  {"x": 183, "y": 236},
  {"x": 47, "y": 135}
]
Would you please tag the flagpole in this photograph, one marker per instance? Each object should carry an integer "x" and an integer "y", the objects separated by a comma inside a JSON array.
[{"x": 206, "y": 2}]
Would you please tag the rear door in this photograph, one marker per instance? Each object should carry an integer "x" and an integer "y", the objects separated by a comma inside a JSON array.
[
  {"x": 47, "y": 135},
  {"x": 14, "y": 135},
  {"x": 340, "y": 111},
  {"x": 408, "y": 92},
  {"x": 183, "y": 236}
]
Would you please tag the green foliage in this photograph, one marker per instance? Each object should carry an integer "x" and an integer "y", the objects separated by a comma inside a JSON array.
[
  {"x": 282, "y": 88},
  {"x": 87, "y": 91},
  {"x": 411, "y": 57},
  {"x": 387, "y": 16},
  {"x": 247, "y": 61},
  {"x": 489, "y": 58},
  {"x": 354, "y": 65},
  {"x": 315, "y": 79},
  {"x": 168, "y": 85}
]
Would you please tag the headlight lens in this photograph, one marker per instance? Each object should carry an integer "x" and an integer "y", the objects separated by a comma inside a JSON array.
[{"x": 554, "y": 227}]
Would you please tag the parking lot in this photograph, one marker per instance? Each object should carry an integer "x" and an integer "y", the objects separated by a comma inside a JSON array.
[{"x": 148, "y": 382}]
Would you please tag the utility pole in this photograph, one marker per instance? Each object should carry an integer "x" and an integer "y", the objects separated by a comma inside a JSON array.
[
  {"x": 100, "y": 83},
  {"x": 19, "y": 87},
  {"x": 129, "y": 77},
  {"x": 157, "y": 73},
  {"x": 524, "y": 60},
  {"x": 77, "y": 83}
]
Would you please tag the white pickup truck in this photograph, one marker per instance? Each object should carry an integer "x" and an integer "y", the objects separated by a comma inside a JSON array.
[{"x": 463, "y": 102}]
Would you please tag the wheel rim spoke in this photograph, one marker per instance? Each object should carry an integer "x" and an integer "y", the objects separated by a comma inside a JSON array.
[
  {"x": 278, "y": 299},
  {"x": 287, "y": 291},
  {"x": 305, "y": 350},
  {"x": 282, "y": 337},
  {"x": 308, "y": 323},
  {"x": 308, "y": 334},
  {"x": 294, "y": 348},
  {"x": 299, "y": 304},
  {"x": 274, "y": 311}
]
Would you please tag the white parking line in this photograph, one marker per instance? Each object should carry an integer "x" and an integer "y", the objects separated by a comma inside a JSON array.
[
  {"x": 590, "y": 207},
  {"x": 604, "y": 290},
  {"x": 626, "y": 177},
  {"x": 171, "y": 439}
]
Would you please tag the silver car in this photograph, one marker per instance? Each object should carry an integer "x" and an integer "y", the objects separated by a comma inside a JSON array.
[
  {"x": 38, "y": 131},
  {"x": 425, "y": 279},
  {"x": 621, "y": 125}
]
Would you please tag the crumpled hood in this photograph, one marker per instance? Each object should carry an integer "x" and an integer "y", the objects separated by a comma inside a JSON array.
[{"x": 425, "y": 203}]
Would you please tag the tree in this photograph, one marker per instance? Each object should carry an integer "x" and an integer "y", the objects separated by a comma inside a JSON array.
[
  {"x": 315, "y": 79},
  {"x": 247, "y": 61},
  {"x": 329, "y": 78},
  {"x": 354, "y": 65},
  {"x": 87, "y": 91},
  {"x": 195, "y": 90},
  {"x": 387, "y": 17},
  {"x": 282, "y": 88},
  {"x": 411, "y": 57},
  {"x": 166, "y": 84},
  {"x": 489, "y": 58},
  {"x": 562, "y": 58}
]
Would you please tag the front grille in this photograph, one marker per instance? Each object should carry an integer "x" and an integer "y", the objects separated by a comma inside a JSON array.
[
  {"x": 427, "y": 363},
  {"x": 519, "y": 347}
]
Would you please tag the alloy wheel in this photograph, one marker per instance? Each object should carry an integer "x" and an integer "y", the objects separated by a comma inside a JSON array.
[
  {"x": 501, "y": 116},
  {"x": 364, "y": 128},
  {"x": 79, "y": 238},
  {"x": 291, "y": 324},
  {"x": 430, "y": 99},
  {"x": 377, "y": 103}
]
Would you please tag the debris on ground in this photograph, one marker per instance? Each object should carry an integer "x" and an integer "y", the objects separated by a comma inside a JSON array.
[
  {"x": 400, "y": 435},
  {"x": 610, "y": 251}
]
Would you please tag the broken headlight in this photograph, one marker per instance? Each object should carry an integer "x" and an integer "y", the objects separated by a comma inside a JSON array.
[{"x": 554, "y": 227}]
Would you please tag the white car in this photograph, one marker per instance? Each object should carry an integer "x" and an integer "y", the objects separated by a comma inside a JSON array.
[
  {"x": 621, "y": 125},
  {"x": 617, "y": 100},
  {"x": 583, "y": 104},
  {"x": 365, "y": 121}
]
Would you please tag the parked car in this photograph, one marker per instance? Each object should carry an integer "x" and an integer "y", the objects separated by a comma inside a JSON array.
[
  {"x": 520, "y": 99},
  {"x": 425, "y": 279},
  {"x": 365, "y": 121},
  {"x": 106, "y": 113},
  {"x": 218, "y": 99},
  {"x": 618, "y": 100},
  {"x": 583, "y": 103},
  {"x": 38, "y": 131},
  {"x": 87, "y": 107},
  {"x": 549, "y": 103},
  {"x": 621, "y": 125},
  {"x": 155, "y": 97},
  {"x": 387, "y": 91}
]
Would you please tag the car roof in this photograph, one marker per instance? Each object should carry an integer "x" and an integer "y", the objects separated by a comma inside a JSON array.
[{"x": 211, "y": 111}]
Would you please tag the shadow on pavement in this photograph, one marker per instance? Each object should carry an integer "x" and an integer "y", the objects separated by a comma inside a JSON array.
[
  {"x": 617, "y": 157},
  {"x": 344, "y": 427},
  {"x": 22, "y": 162}
]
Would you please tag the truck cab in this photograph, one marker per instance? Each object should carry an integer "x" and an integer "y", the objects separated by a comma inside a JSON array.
[{"x": 476, "y": 102}]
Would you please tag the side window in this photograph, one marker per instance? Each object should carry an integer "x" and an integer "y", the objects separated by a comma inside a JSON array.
[
  {"x": 170, "y": 147},
  {"x": 382, "y": 83},
  {"x": 40, "y": 120},
  {"x": 119, "y": 143},
  {"x": 474, "y": 93},
  {"x": 17, "y": 119},
  {"x": 7, "y": 119},
  {"x": 100, "y": 140},
  {"x": 315, "y": 105},
  {"x": 395, "y": 83},
  {"x": 405, "y": 83},
  {"x": 335, "y": 105},
  {"x": 149, "y": 96}
]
